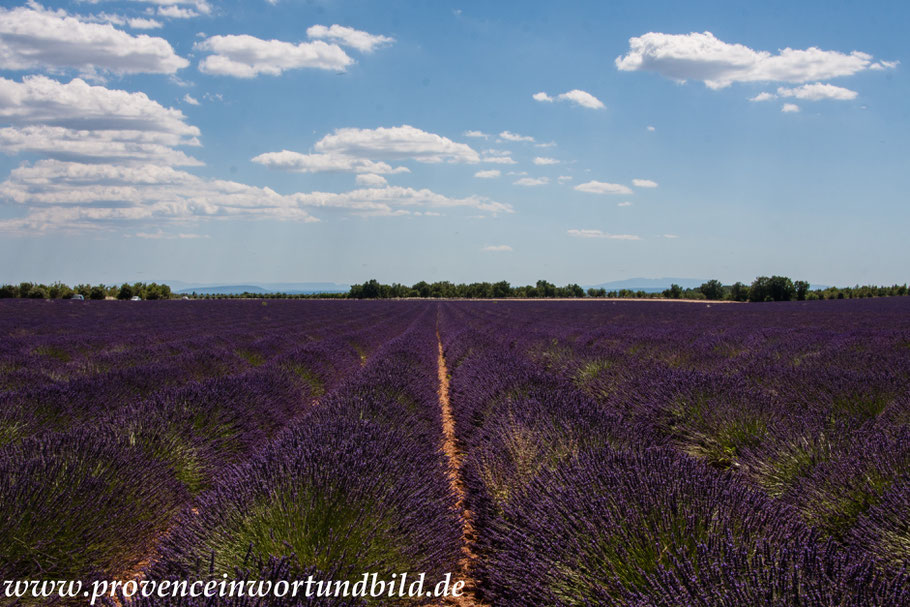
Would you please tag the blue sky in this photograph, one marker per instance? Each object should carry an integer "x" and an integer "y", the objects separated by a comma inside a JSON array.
[{"x": 259, "y": 141}]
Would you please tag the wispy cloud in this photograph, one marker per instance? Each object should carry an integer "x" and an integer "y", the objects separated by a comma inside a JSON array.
[
  {"x": 510, "y": 136},
  {"x": 497, "y": 248},
  {"x": 575, "y": 96},
  {"x": 644, "y": 183},
  {"x": 490, "y": 174},
  {"x": 602, "y": 187},
  {"x": 348, "y": 36},
  {"x": 601, "y": 234},
  {"x": 532, "y": 181}
]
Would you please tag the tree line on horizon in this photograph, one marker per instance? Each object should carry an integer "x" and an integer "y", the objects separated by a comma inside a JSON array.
[{"x": 762, "y": 289}]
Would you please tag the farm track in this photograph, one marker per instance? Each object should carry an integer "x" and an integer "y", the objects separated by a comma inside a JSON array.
[{"x": 454, "y": 457}]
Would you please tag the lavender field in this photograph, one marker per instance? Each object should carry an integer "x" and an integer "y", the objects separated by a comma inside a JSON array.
[{"x": 546, "y": 453}]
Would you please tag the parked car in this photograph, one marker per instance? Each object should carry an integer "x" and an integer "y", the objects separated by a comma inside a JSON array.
[
  {"x": 135, "y": 298},
  {"x": 78, "y": 297}
]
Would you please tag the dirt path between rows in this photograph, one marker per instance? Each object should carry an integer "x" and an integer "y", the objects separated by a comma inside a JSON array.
[{"x": 454, "y": 456}]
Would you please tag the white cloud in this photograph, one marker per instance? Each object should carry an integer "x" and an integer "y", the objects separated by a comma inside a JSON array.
[
  {"x": 348, "y": 36},
  {"x": 564, "y": 178},
  {"x": 78, "y": 121},
  {"x": 492, "y": 156},
  {"x": 190, "y": 99},
  {"x": 789, "y": 108},
  {"x": 644, "y": 183},
  {"x": 497, "y": 248},
  {"x": 651, "y": 129},
  {"x": 763, "y": 97},
  {"x": 543, "y": 161},
  {"x": 817, "y": 91},
  {"x": 371, "y": 180},
  {"x": 34, "y": 38},
  {"x": 624, "y": 204},
  {"x": 78, "y": 105},
  {"x": 201, "y": 6},
  {"x": 396, "y": 143},
  {"x": 246, "y": 56},
  {"x": 140, "y": 23},
  {"x": 576, "y": 96},
  {"x": 702, "y": 57},
  {"x": 602, "y": 234},
  {"x": 162, "y": 235},
  {"x": 671, "y": 236},
  {"x": 124, "y": 146},
  {"x": 532, "y": 181},
  {"x": 476, "y": 134},
  {"x": 175, "y": 12},
  {"x": 296, "y": 162},
  {"x": 549, "y": 144},
  {"x": 601, "y": 187},
  {"x": 489, "y": 174},
  {"x": 510, "y": 136},
  {"x": 75, "y": 196}
]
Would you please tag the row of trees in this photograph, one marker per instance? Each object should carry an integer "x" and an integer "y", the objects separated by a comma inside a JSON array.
[
  {"x": 57, "y": 290},
  {"x": 763, "y": 288},
  {"x": 779, "y": 288}
]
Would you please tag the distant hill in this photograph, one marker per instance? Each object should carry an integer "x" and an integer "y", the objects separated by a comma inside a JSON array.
[{"x": 649, "y": 285}]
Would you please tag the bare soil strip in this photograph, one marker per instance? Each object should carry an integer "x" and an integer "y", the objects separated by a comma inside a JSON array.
[{"x": 454, "y": 456}]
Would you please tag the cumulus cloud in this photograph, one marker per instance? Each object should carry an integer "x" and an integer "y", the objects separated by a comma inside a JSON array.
[
  {"x": 396, "y": 143},
  {"x": 489, "y": 174},
  {"x": 190, "y": 99},
  {"x": 601, "y": 187},
  {"x": 78, "y": 121},
  {"x": 624, "y": 204},
  {"x": 476, "y": 134},
  {"x": 702, "y": 57},
  {"x": 497, "y": 248},
  {"x": 817, "y": 91},
  {"x": 510, "y": 136},
  {"x": 201, "y": 7},
  {"x": 810, "y": 92},
  {"x": 644, "y": 183},
  {"x": 32, "y": 37},
  {"x": 763, "y": 97},
  {"x": 140, "y": 23},
  {"x": 108, "y": 145},
  {"x": 543, "y": 161},
  {"x": 576, "y": 96},
  {"x": 371, "y": 180},
  {"x": 497, "y": 157},
  {"x": 532, "y": 181},
  {"x": 296, "y": 162},
  {"x": 602, "y": 234},
  {"x": 78, "y": 105},
  {"x": 348, "y": 36},
  {"x": 244, "y": 56},
  {"x": 77, "y": 196},
  {"x": 789, "y": 108},
  {"x": 175, "y": 12}
]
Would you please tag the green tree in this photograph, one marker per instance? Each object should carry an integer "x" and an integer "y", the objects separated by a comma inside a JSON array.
[
  {"x": 713, "y": 289},
  {"x": 674, "y": 292},
  {"x": 126, "y": 291},
  {"x": 739, "y": 292},
  {"x": 802, "y": 287}
]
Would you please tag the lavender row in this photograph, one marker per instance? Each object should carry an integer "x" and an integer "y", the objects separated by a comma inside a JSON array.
[
  {"x": 357, "y": 484},
  {"x": 633, "y": 394}
]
